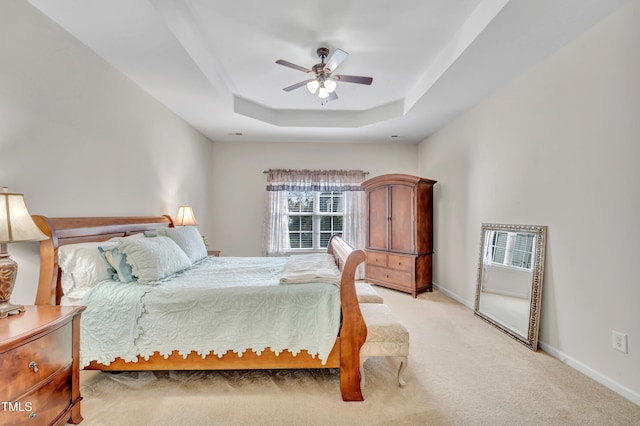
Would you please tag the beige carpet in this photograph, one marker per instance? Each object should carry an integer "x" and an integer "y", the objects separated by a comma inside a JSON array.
[{"x": 461, "y": 372}]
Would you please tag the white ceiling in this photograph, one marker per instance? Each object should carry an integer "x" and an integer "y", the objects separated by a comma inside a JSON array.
[{"x": 213, "y": 61}]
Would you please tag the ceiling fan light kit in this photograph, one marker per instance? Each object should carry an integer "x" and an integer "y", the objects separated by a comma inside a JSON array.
[{"x": 323, "y": 82}]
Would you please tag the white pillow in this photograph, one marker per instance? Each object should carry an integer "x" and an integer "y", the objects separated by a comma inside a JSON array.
[
  {"x": 153, "y": 259},
  {"x": 189, "y": 240},
  {"x": 82, "y": 265}
]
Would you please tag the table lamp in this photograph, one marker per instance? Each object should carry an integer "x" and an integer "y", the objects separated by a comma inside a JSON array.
[
  {"x": 16, "y": 226},
  {"x": 185, "y": 217}
]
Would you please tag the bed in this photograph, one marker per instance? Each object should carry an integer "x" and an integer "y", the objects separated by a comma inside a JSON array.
[{"x": 342, "y": 355}]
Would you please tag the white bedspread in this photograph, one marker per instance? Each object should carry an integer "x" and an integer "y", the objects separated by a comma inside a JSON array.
[{"x": 243, "y": 307}]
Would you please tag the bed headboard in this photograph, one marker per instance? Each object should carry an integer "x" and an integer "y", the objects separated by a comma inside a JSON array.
[{"x": 70, "y": 230}]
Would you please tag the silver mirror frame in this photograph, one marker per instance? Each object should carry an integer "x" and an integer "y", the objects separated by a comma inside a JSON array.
[{"x": 531, "y": 341}]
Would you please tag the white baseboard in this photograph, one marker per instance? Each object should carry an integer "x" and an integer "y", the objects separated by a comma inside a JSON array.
[
  {"x": 591, "y": 373},
  {"x": 565, "y": 359},
  {"x": 468, "y": 304}
]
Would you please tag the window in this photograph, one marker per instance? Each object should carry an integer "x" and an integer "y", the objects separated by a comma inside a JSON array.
[
  {"x": 511, "y": 249},
  {"x": 314, "y": 216},
  {"x": 304, "y": 208}
]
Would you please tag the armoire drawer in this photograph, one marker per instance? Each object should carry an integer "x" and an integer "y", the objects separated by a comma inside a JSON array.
[
  {"x": 401, "y": 263},
  {"x": 388, "y": 275},
  {"x": 29, "y": 364},
  {"x": 377, "y": 259}
]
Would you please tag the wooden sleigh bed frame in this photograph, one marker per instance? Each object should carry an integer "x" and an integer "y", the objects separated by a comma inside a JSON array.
[{"x": 345, "y": 354}]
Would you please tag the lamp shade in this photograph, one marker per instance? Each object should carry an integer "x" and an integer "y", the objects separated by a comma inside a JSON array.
[
  {"x": 185, "y": 217},
  {"x": 16, "y": 224}
]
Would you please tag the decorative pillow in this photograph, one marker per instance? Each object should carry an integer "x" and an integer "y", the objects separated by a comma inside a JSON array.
[
  {"x": 153, "y": 259},
  {"x": 83, "y": 266},
  {"x": 121, "y": 271},
  {"x": 189, "y": 240}
]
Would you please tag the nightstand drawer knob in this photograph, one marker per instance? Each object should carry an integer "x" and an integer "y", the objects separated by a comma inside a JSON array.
[
  {"x": 34, "y": 366},
  {"x": 32, "y": 415}
]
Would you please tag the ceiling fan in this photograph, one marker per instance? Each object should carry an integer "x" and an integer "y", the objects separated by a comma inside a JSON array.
[{"x": 323, "y": 80}]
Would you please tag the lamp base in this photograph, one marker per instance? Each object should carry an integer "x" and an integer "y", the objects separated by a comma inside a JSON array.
[
  {"x": 8, "y": 272},
  {"x": 7, "y": 309}
]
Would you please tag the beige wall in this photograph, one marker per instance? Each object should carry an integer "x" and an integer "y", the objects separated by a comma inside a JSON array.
[
  {"x": 238, "y": 184},
  {"x": 80, "y": 139},
  {"x": 558, "y": 147}
]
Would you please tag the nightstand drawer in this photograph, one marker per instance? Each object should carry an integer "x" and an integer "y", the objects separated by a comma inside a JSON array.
[
  {"x": 29, "y": 364},
  {"x": 43, "y": 404}
]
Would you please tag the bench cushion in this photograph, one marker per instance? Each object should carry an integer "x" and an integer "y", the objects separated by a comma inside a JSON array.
[
  {"x": 386, "y": 336},
  {"x": 367, "y": 294}
]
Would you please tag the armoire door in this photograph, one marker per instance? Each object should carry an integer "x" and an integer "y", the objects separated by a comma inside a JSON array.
[
  {"x": 401, "y": 227},
  {"x": 378, "y": 219}
]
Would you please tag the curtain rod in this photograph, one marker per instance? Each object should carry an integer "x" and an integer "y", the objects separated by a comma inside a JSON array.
[{"x": 366, "y": 173}]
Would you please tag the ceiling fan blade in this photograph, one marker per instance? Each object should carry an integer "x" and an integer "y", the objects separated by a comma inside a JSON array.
[
  {"x": 336, "y": 59},
  {"x": 297, "y": 85},
  {"x": 353, "y": 79},
  {"x": 294, "y": 66},
  {"x": 332, "y": 97}
]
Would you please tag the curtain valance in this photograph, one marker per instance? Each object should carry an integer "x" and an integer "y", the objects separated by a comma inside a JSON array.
[{"x": 314, "y": 180}]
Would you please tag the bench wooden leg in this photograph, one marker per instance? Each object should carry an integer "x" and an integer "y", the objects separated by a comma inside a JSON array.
[
  {"x": 362, "y": 360},
  {"x": 404, "y": 361}
]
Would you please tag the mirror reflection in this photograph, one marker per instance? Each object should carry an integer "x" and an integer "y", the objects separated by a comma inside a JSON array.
[{"x": 509, "y": 286}]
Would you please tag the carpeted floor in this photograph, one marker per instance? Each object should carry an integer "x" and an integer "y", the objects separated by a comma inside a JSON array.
[{"x": 461, "y": 372}]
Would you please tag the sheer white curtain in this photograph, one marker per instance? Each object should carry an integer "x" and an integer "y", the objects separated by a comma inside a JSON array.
[
  {"x": 279, "y": 182},
  {"x": 276, "y": 224},
  {"x": 275, "y": 239},
  {"x": 354, "y": 224}
]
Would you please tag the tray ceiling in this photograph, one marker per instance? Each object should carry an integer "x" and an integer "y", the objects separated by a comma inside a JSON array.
[{"x": 213, "y": 62}]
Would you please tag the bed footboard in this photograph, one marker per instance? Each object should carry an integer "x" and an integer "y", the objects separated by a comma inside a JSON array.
[{"x": 354, "y": 331}]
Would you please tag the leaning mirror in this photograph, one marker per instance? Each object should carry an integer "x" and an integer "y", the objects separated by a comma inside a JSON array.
[{"x": 509, "y": 282}]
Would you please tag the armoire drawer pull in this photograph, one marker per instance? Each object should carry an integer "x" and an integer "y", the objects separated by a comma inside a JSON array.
[{"x": 34, "y": 366}]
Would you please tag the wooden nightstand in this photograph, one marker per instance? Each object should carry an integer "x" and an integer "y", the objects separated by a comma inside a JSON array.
[
  {"x": 215, "y": 253},
  {"x": 40, "y": 360}
]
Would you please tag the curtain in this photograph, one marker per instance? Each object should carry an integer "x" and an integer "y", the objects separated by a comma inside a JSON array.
[
  {"x": 279, "y": 182},
  {"x": 354, "y": 223},
  {"x": 276, "y": 224}
]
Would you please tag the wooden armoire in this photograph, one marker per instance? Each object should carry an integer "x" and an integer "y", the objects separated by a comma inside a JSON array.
[{"x": 399, "y": 232}]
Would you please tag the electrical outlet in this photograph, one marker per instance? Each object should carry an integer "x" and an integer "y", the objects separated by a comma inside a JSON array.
[{"x": 619, "y": 341}]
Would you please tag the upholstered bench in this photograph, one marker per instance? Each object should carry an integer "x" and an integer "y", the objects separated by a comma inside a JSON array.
[
  {"x": 386, "y": 336},
  {"x": 367, "y": 294}
]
